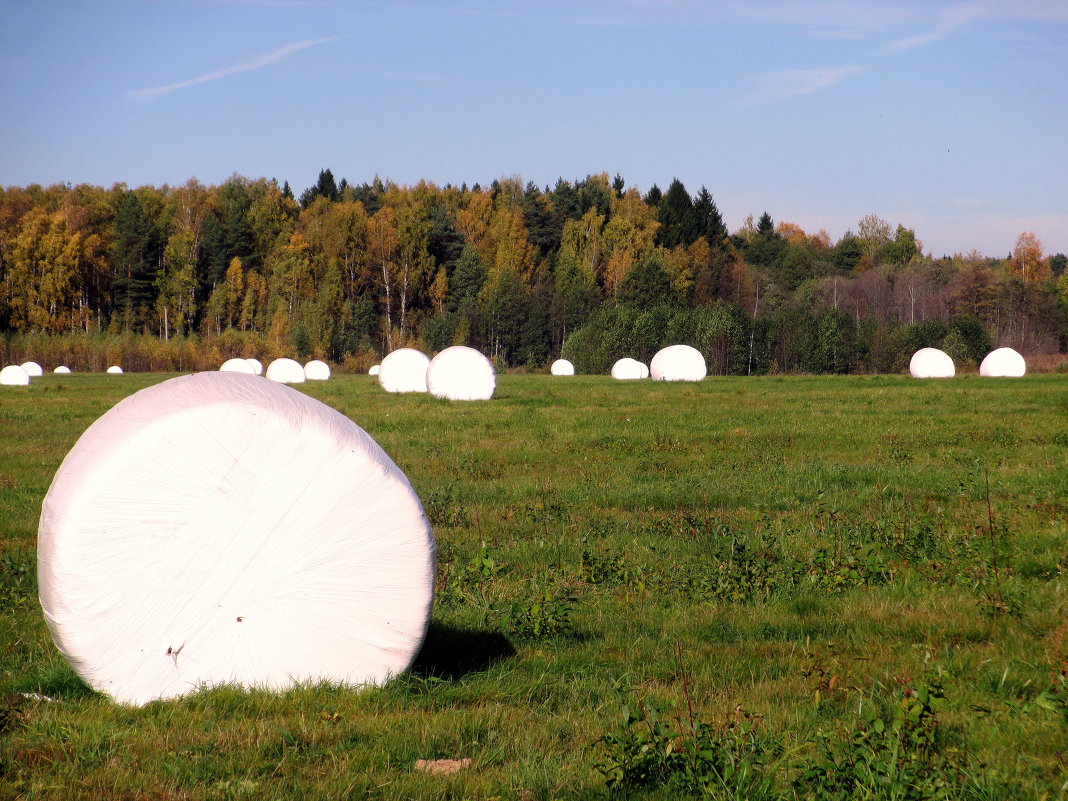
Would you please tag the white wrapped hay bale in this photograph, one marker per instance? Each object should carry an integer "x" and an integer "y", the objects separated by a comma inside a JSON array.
[
  {"x": 317, "y": 370},
  {"x": 237, "y": 366},
  {"x": 218, "y": 529},
  {"x": 375, "y": 369},
  {"x": 931, "y": 363},
  {"x": 285, "y": 371},
  {"x": 14, "y": 375},
  {"x": 404, "y": 370},
  {"x": 678, "y": 363},
  {"x": 1003, "y": 363},
  {"x": 33, "y": 369},
  {"x": 256, "y": 365},
  {"x": 627, "y": 369},
  {"x": 62, "y": 369},
  {"x": 562, "y": 367},
  {"x": 645, "y": 369},
  {"x": 115, "y": 369},
  {"x": 461, "y": 373}
]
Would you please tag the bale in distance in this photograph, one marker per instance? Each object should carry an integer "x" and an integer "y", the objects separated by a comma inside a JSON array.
[
  {"x": 645, "y": 369},
  {"x": 62, "y": 369},
  {"x": 1003, "y": 363},
  {"x": 678, "y": 363},
  {"x": 404, "y": 370},
  {"x": 256, "y": 365},
  {"x": 627, "y": 369},
  {"x": 218, "y": 529},
  {"x": 931, "y": 363},
  {"x": 114, "y": 369},
  {"x": 375, "y": 369},
  {"x": 14, "y": 375},
  {"x": 317, "y": 370},
  {"x": 562, "y": 367},
  {"x": 236, "y": 365},
  {"x": 461, "y": 373},
  {"x": 33, "y": 369},
  {"x": 285, "y": 371}
]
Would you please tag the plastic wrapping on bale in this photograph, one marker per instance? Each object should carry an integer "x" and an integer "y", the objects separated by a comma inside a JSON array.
[
  {"x": 645, "y": 369},
  {"x": 285, "y": 371},
  {"x": 317, "y": 370},
  {"x": 931, "y": 363},
  {"x": 461, "y": 373},
  {"x": 14, "y": 376},
  {"x": 627, "y": 369},
  {"x": 562, "y": 367},
  {"x": 115, "y": 369},
  {"x": 218, "y": 529},
  {"x": 1003, "y": 363},
  {"x": 404, "y": 370},
  {"x": 237, "y": 366},
  {"x": 62, "y": 369},
  {"x": 33, "y": 369},
  {"x": 256, "y": 365},
  {"x": 678, "y": 363}
]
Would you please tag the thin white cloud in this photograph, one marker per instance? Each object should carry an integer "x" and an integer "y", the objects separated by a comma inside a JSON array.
[
  {"x": 772, "y": 87},
  {"x": 255, "y": 64},
  {"x": 959, "y": 15}
]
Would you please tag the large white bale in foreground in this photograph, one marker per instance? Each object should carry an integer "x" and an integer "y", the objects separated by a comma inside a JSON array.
[
  {"x": 678, "y": 363},
  {"x": 461, "y": 373},
  {"x": 62, "y": 369},
  {"x": 562, "y": 367},
  {"x": 14, "y": 375},
  {"x": 931, "y": 363},
  {"x": 285, "y": 371},
  {"x": 404, "y": 370},
  {"x": 237, "y": 365},
  {"x": 1003, "y": 363},
  {"x": 114, "y": 369},
  {"x": 317, "y": 370},
  {"x": 627, "y": 369},
  {"x": 33, "y": 369},
  {"x": 218, "y": 529},
  {"x": 256, "y": 365}
]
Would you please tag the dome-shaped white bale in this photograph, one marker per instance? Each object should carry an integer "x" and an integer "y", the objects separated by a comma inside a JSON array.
[
  {"x": 375, "y": 369},
  {"x": 114, "y": 369},
  {"x": 645, "y": 369},
  {"x": 317, "y": 370},
  {"x": 62, "y": 369},
  {"x": 1003, "y": 363},
  {"x": 404, "y": 370},
  {"x": 14, "y": 375},
  {"x": 678, "y": 363},
  {"x": 627, "y": 369},
  {"x": 256, "y": 365},
  {"x": 562, "y": 367},
  {"x": 215, "y": 529},
  {"x": 285, "y": 371},
  {"x": 461, "y": 373},
  {"x": 931, "y": 363},
  {"x": 237, "y": 366},
  {"x": 33, "y": 369}
]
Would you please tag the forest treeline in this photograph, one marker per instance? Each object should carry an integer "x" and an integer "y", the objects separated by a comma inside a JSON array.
[{"x": 590, "y": 269}]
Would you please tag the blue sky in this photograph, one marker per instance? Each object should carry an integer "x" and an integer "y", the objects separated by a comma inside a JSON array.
[{"x": 948, "y": 117}]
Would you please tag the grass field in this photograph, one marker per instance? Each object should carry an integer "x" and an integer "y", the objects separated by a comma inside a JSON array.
[{"x": 759, "y": 588}]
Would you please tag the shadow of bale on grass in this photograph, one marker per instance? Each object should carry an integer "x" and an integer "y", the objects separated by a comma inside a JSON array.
[{"x": 451, "y": 652}]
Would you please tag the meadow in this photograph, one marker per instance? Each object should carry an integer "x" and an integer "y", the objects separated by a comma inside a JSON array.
[{"x": 761, "y": 588}]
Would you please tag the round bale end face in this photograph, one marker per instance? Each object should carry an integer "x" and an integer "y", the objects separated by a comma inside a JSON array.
[
  {"x": 317, "y": 370},
  {"x": 14, "y": 375},
  {"x": 1003, "y": 363},
  {"x": 285, "y": 371},
  {"x": 62, "y": 369},
  {"x": 115, "y": 370},
  {"x": 404, "y": 370},
  {"x": 678, "y": 363},
  {"x": 627, "y": 369},
  {"x": 461, "y": 373},
  {"x": 236, "y": 366},
  {"x": 218, "y": 529},
  {"x": 931, "y": 363},
  {"x": 33, "y": 369},
  {"x": 562, "y": 367}
]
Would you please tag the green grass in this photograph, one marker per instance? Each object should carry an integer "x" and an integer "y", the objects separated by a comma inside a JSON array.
[{"x": 784, "y": 568}]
